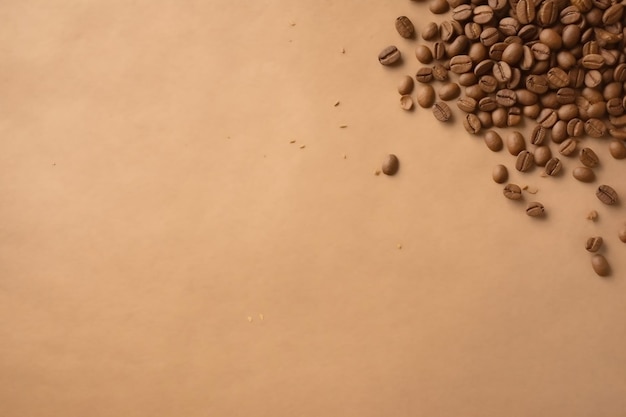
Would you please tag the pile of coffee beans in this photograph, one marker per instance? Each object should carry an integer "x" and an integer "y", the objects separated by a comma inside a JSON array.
[{"x": 559, "y": 66}]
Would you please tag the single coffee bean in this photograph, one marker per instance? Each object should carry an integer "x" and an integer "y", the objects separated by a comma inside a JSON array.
[
  {"x": 438, "y": 6},
  {"x": 538, "y": 84},
  {"x": 588, "y": 157},
  {"x": 512, "y": 192},
  {"x": 547, "y": 118},
  {"x": 570, "y": 15},
  {"x": 472, "y": 123},
  {"x": 542, "y": 155},
  {"x": 567, "y": 112},
  {"x": 502, "y": 71},
  {"x": 405, "y": 27},
  {"x": 583, "y": 5},
  {"x": 553, "y": 167},
  {"x": 426, "y": 96},
  {"x": 595, "y": 128},
  {"x": 496, "y": 50},
  {"x": 390, "y": 165},
  {"x": 600, "y": 265},
  {"x": 424, "y": 75},
  {"x": 606, "y": 194},
  {"x": 446, "y": 31},
  {"x": 498, "y": 5},
  {"x": 442, "y": 111},
  {"x": 494, "y": 141},
  {"x": 515, "y": 142},
  {"x": 618, "y": 121},
  {"x": 576, "y": 77},
  {"x": 389, "y": 56},
  {"x": 584, "y": 174},
  {"x": 548, "y": 13},
  {"x": 513, "y": 53},
  {"x": 614, "y": 107},
  {"x": 557, "y": 78},
  {"x": 506, "y": 98},
  {"x": 500, "y": 117},
  {"x": 528, "y": 59},
  {"x": 528, "y": 33},
  {"x": 500, "y": 174},
  {"x": 489, "y": 36},
  {"x": 484, "y": 67},
  {"x": 440, "y": 73},
  {"x": 566, "y": 95},
  {"x": 406, "y": 102},
  {"x": 613, "y": 14},
  {"x": 532, "y": 111},
  {"x": 488, "y": 103},
  {"x": 541, "y": 51},
  {"x": 439, "y": 51},
  {"x": 617, "y": 149},
  {"x": 461, "y": 64},
  {"x": 467, "y": 104},
  {"x": 597, "y": 110},
  {"x": 486, "y": 120},
  {"x": 459, "y": 46},
  {"x": 549, "y": 100},
  {"x": 475, "y": 92},
  {"x": 472, "y": 30},
  {"x": 593, "y": 78},
  {"x": 509, "y": 26},
  {"x": 488, "y": 83},
  {"x": 622, "y": 234},
  {"x": 566, "y": 59},
  {"x": 462, "y": 12},
  {"x": 449, "y": 91},
  {"x": 551, "y": 38},
  {"x": 525, "y": 161},
  {"x": 535, "y": 209},
  {"x": 516, "y": 79},
  {"x": 525, "y": 97},
  {"x": 593, "y": 244},
  {"x": 559, "y": 132},
  {"x": 568, "y": 147},
  {"x": 575, "y": 128},
  {"x": 592, "y": 61},
  {"x": 525, "y": 11},
  {"x": 538, "y": 135},
  {"x": 406, "y": 85},
  {"x": 483, "y": 14},
  {"x": 613, "y": 90},
  {"x": 430, "y": 31},
  {"x": 467, "y": 79},
  {"x": 423, "y": 54},
  {"x": 514, "y": 116},
  {"x": 619, "y": 73}
]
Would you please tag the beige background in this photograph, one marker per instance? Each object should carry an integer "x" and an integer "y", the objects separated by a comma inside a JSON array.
[{"x": 152, "y": 204}]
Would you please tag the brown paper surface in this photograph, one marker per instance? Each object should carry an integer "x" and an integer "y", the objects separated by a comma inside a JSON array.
[{"x": 165, "y": 250}]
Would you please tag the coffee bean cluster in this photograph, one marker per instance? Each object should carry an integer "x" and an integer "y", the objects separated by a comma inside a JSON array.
[{"x": 558, "y": 65}]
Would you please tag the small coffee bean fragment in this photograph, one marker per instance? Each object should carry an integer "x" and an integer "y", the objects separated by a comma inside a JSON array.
[
  {"x": 389, "y": 56},
  {"x": 553, "y": 167},
  {"x": 500, "y": 174},
  {"x": 406, "y": 102},
  {"x": 515, "y": 143},
  {"x": 593, "y": 244},
  {"x": 390, "y": 165},
  {"x": 600, "y": 265},
  {"x": 442, "y": 111},
  {"x": 592, "y": 215},
  {"x": 405, "y": 27},
  {"x": 588, "y": 157},
  {"x": 525, "y": 161},
  {"x": 606, "y": 194},
  {"x": 493, "y": 141},
  {"x": 512, "y": 192},
  {"x": 426, "y": 96},
  {"x": 535, "y": 209},
  {"x": 584, "y": 174},
  {"x": 617, "y": 149},
  {"x": 406, "y": 85}
]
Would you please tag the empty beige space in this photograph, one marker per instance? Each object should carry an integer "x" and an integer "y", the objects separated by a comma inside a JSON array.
[{"x": 166, "y": 250}]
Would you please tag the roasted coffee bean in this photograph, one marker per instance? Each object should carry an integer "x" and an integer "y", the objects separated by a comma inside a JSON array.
[
  {"x": 424, "y": 75},
  {"x": 461, "y": 64},
  {"x": 548, "y": 13},
  {"x": 502, "y": 71},
  {"x": 600, "y": 265},
  {"x": 570, "y": 15},
  {"x": 575, "y": 128},
  {"x": 532, "y": 111},
  {"x": 488, "y": 83},
  {"x": 406, "y": 85},
  {"x": 430, "y": 31},
  {"x": 483, "y": 14},
  {"x": 389, "y": 56},
  {"x": 446, "y": 31},
  {"x": 613, "y": 90},
  {"x": 489, "y": 36},
  {"x": 467, "y": 104},
  {"x": 547, "y": 118},
  {"x": 538, "y": 84},
  {"x": 514, "y": 116},
  {"x": 618, "y": 133},
  {"x": 592, "y": 61},
  {"x": 583, "y": 5},
  {"x": 588, "y": 157},
  {"x": 467, "y": 79},
  {"x": 500, "y": 117},
  {"x": 619, "y": 73},
  {"x": 542, "y": 155},
  {"x": 566, "y": 95},
  {"x": 528, "y": 59},
  {"x": 488, "y": 103},
  {"x": 439, "y": 51},
  {"x": 557, "y": 78},
  {"x": 525, "y": 97},
  {"x": 551, "y": 38},
  {"x": 441, "y": 111},
  {"x": 576, "y": 77},
  {"x": 513, "y": 53},
  {"x": 606, "y": 194},
  {"x": 597, "y": 110},
  {"x": 440, "y": 73},
  {"x": 614, "y": 107},
  {"x": 618, "y": 121},
  {"x": 567, "y": 112},
  {"x": 538, "y": 135},
  {"x": 565, "y": 60},
  {"x": 525, "y": 11},
  {"x": 613, "y": 14},
  {"x": 553, "y": 167},
  {"x": 438, "y": 6},
  {"x": 494, "y": 141},
  {"x": 593, "y": 78},
  {"x": 516, "y": 79},
  {"x": 462, "y": 12},
  {"x": 509, "y": 26},
  {"x": 426, "y": 95},
  {"x": 496, "y": 50},
  {"x": 515, "y": 142},
  {"x": 390, "y": 165},
  {"x": 559, "y": 132},
  {"x": 423, "y": 54},
  {"x": 483, "y": 67},
  {"x": 512, "y": 192},
  {"x": 500, "y": 174},
  {"x": 406, "y": 102},
  {"x": 472, "y": 123},
  {"x": 568, "y": 147},
  {"x": 549, "y": 100},
  {"x": 535, "y": 209},
  {"x": 622, "y": 234},
  {"x": 458, "y": 46},
  {"x": 593, "y": 244},
  {"x": 595, "y": 128},
  {"x": 475, "y": 92},
  {"x": 525, "y": 161},
  {"x": 405, "y": 27},
  {"x": 506, "y": 97},
  {"x": 485, "y": 119},
  {"x": 528, "y": 33},
  {"x": 472, "y": 30},
  {"x": 541, "y": 51},
  {"x": 478, "y": 52},
  {"x": 584, "y": 174},
  {"x": 449, "y": 91},
  {"x": 617, "y": 149}
]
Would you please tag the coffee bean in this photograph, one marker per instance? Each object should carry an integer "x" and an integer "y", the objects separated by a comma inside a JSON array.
[
  {"x": 438, "y": 6},
  {"x": 528, "y": 33},
  {"x": 549, "y": 100},
  {"x": 439, "y": 51},
  {"x": 513, "y": 53},
  {"x": 551, "y": 38},
  {"x": 525, "y": 97},
  {"x": 494, "y": 141},
  {"x": 500, "y": 174},
  {"x": 485, "y": 119},
  {"x": 424, "y": 75},
  {"x": 390, "y": 165},
  {"x": 430, "y": 31},
  {"x": 583, "y": 5},
  {"x": 441, "y": 111},
  {"x": 446, "y": 31},
  {"x": 483, "y": 14},
  {"x": 489, "y": 36},
  {"x": 542, "y": 155},
  {"x": 475, "y": 92},
  {"x": 595, "y": 128},
  {"x": 515, "y": 143},
  {"x": 617, "y": 133},
  {"x": 592, "y": 61},
  {"x": 497, "y": 5},
  {"x": 488, "y": 103},
  {"x": 568, "y": 147},
  {"x": 617, "y": 149},
  {"x": 468, "y": 79},
  {"x": 488, "y": 83},
  {"x": 557, "y": 78},
  {"x": 514, "y": 116},
  {"x": 613, "y": 14},
  {"x": 538, "y": 84},
  {"x": 405, "y": 27},
  {"x": 525, "y": 161},
  {"x": 426, "y": 96},
  {"x": 570, "y": 15},
  {"x": 389, "y": 56},
  {"x": 467, "y": 104},
  {"x": 512, "y": 192},
  {"x": 472, "y": 30},
  {"x": 525, "y": 11},
  {"x": 619, "y": 73},
  {"x": 576, "y": 77},
  {"x": 606, "y": 194},
  {"x": 548, "y": 13},
  {"x": 622, "y": 234},
  {"x": 458, "y": 46},
  {"x": 584, "y": 174},
  {"x": 614, "y": 107},
  {"x": 484, "y": 67},
  {"x": 535, "y": 209},
  {"x": 460, "y": 64},
  {"x": 496, "y": 50},
  {"x": 559, "y": 132},
  {"x": 406, "y": 102},
  {"x": 462, "y": 12},
  {"x": 423, "y": 54},
  {"x": 593, "y": 244},
  {"x": 472, "y": 123},
  {"x": 593, "y": 78},
  {"x": 406, "y": 85},
  {"x": 567, "y": 112},
  {"x": 588, "y": 157},
  {"x": 502, "y": 71},
  {"x": 500, "y": 117},
  {"x": 538, "y": 135},
  {"x": 566, "y": 95},
  {"x": 553, "y": 167},
  {"x": 440, "y": 73},
  {"x": 506, "y": 97},
  {"x": 575, "y": 127},
  {"x": 600, "y": 265},
  {"x": 547, "y": 118},
  {"x": 541, "y": 51},
  {"x": 532, "y": 111}
]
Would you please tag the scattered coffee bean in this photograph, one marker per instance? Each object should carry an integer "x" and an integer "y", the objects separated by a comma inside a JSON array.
[
  {"x": 426, "y": 95},
  {"x": 600, "y": 265},
  {"x": 424, "y": 75},
  {"x": 406, "y": 102},
  {"x": 493, "y": 141},
  {"x": 441, "y": 111},
  {"x": 617, "y": 149},
  {"x": 389, "y": 56},
  {"x": 406, "y": 85},
  {"x": 449, "y": 91},
  {"x": 500, "y": 174},
  {"x": 390, "y": 165},
  {"x": 423, "y": 54},
  {"x": 606, "y": 194},
  {"x": 568, "y": 147},
  {"x": 472, "y": 123},
  {"x": 512, "y": 192},
  {"x": 525, "y": 161},
  {"x": 430, "y": 31},
  {"x": 438, "y": 6},
  {"x": 553, "y": 167},
  {"x": 535, "y": 209},
  {"x": 515, "y": 143},
  {"x": 593, "y": 244},
  {"x": 588, "y": 157},
  {"x": 584, "y": 174},
  {"x": 542, "y": 155},
  {"x": 405, "y": 27},
  {"x": 467, "y": 104}
]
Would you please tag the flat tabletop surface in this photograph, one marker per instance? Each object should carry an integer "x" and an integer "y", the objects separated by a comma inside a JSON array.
[{"x": 191, "y": 225}]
